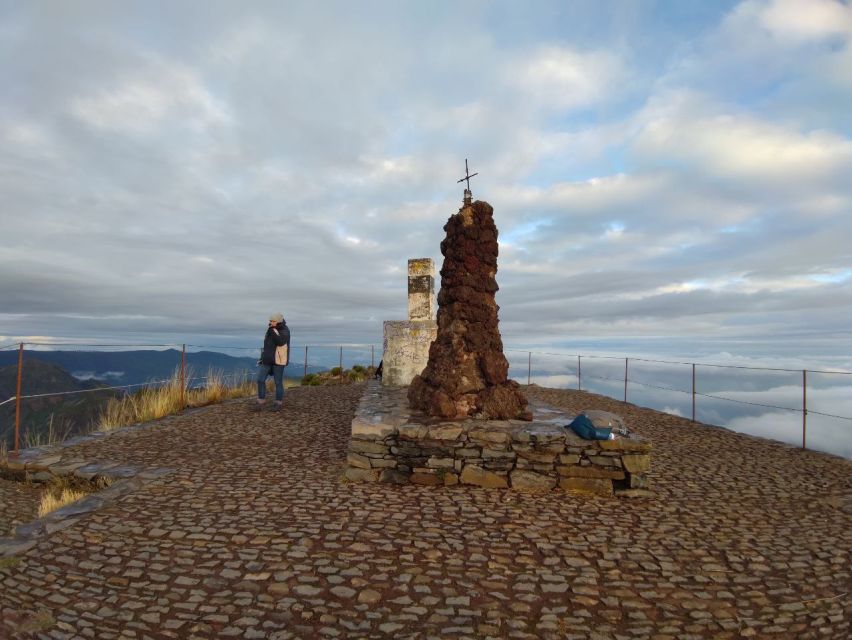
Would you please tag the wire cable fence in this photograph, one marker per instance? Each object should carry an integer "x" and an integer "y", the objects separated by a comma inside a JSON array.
[
  {"x": 244, "y": 368},
  {"x": 572, "y": 366},
  {"x": 305, "y": 359}
]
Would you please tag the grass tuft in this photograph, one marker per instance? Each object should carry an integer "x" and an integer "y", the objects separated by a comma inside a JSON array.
[
  {"x": 153, "y": 403},
  {"x": 54, "y": 434},
  {"x": 52, "y": 502},
  {"x": 63, "y": 490}
]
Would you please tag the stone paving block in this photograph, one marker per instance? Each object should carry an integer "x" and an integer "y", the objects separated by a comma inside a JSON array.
[
  {"x": 427, "y": 479},
  {"x": 382, "y": 463},
  {"x": 472, "y": 474},
  {"x": 30, "y": 529},
  {"x": 538, "y": 454},
  {"x": 364, "y": 446},
  {"x": 90, "y": 471},
  {"x": 357, "y": 460},
  {"x": 488, "y": 437},
  {"x": 254, "y": 530},
  {"x": 11, "y": 547},
  {"x": 156, "y": 472},
  {"x": 391, "y": 476},
  {"x": 119, "y": 472},
  {"x": 42, "y": 463},
  {"x": 14, "y": 463},
  {"x": 531, "y": 481},
  {"x": 91, "y": 502},
  {"x": 574, "y": 471},
  {"x": 362, "y": 475},
  {"x": 77, "y": 440},
  {"x": 373, "y": 429},
  {"x": 443, "y": 432},
  {"x": 590, "y": 485},
  {"x": 65, "y": 468},
  {"x": 636, "y": 463},
  {"x": 625, "y": 444},
  {"x": 634, "y": 493}
]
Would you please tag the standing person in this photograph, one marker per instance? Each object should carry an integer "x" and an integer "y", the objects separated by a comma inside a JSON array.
[{"x": 274, "y": 357}]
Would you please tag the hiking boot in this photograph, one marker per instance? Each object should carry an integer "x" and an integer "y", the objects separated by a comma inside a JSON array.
[{"x": 277, "y": 406}]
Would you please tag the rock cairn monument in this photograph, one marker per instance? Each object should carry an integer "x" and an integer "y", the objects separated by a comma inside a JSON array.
[
  {"x": 461, "y": 420},
  {"x": 467, "y": 373}
]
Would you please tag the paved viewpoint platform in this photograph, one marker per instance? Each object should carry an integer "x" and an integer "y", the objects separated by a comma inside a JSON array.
[{"x": 255, "y": 535}]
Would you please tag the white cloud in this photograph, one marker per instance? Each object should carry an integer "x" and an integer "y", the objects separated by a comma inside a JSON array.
[
  {"x": 688, "y": 128},
  {"x": 142, "y": 101},
  {"x": 24, "y": 133},
  {"x": 806, "y": 19},
  {"x": 556, "y": 77},
  {"x": 554, "y": 381},
  {"x": 827, "y": 435},
  {"x": 649, "y": 177}
]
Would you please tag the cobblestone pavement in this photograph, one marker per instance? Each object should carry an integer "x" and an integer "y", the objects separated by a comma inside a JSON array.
[
  {"x": 256, "y": 536},
  {"x": 18, "y": 504}
]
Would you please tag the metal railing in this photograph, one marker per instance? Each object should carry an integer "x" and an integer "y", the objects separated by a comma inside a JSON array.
[
  {"x": 328, "y": 354},
  {"x": 626, "y": 380},
  {"x": 181, "y": 368}
]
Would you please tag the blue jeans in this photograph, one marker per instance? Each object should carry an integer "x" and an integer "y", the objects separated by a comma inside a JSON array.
[{"x": 277, "y": 373}]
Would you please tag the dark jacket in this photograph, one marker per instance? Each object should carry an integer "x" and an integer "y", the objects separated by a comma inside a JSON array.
[{"x": 272, "y": 340}]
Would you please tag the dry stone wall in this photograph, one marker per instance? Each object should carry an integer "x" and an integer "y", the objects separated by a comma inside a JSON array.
[{"x": 393, "y": 444}]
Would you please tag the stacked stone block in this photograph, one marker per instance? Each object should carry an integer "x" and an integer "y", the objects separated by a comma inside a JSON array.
[
  {"x": 407, "y": 342},
  {"x": 392, "y": 444}
]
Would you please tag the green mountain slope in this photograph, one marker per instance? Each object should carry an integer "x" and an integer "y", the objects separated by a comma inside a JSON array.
[
  {"x": 132, "y": 367},
  {"x": 64, "y": 415}
]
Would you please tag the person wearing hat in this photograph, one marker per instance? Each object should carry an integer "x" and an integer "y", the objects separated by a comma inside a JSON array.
[{"x": 274, "y": 357}]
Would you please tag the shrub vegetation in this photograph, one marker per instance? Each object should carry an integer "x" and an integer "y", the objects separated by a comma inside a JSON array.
[
  {"x": 358, "y": 373},
  {"x": 155, "y": 402}
]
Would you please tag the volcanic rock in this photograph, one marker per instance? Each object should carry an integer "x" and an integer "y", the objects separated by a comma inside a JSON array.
[{"x": 467, "y": 373}]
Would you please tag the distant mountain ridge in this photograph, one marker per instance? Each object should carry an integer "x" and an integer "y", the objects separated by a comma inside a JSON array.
[
  {"x": 47, "y": 372},
  {"x": 135, "y": 367},
  {"x": 68, "y": 414},
  {"x": 132, "y": 367}
]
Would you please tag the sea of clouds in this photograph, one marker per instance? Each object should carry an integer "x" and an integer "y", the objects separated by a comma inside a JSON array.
[{"x": 737, "y": 392}]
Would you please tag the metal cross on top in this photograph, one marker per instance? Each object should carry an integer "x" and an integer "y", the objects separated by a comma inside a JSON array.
[{"x": 467, "y": 175}]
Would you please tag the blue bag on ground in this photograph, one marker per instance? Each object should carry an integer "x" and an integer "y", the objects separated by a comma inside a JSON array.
[{"x": 584, "y": 428}]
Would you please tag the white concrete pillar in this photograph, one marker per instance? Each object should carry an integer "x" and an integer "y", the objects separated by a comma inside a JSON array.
[
  {"x": 421, "y": 289},
  {"x": 406, "y": 342}
]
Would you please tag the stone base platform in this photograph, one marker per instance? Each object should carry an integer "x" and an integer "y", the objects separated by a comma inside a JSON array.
[{"x": 391, "y": 443}]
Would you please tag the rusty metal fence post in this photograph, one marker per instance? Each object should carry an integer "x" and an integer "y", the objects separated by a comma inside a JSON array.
[
  {"x": 579, "y": 375},
  {"x": 804, "y": 407},
  {"x": 306, "y": 359},
  {"x": 372, "y": 356},
  {"x": 183, "y": 377},
  {"x": 18, "y": 401},
  {"x": 341, "y": 363},
  {"x": 529, "y": 367},
  {"x": 625, "y": 379},
  {"x": 693, "y": 392}
]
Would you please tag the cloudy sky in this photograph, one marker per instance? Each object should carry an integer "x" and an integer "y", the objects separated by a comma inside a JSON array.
[{"x": 673, "y": 171}]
